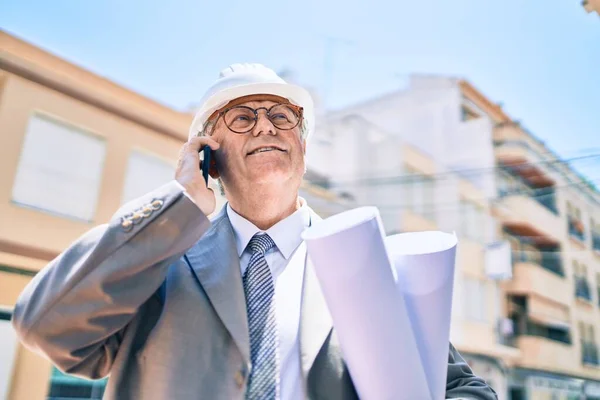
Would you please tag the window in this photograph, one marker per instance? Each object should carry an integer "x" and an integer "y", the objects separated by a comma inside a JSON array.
[
  {"x": 582, "y": 286},
  {"x": 60, "y": 169},
  {"x": 419, "y": 193},
  {"x": 589, "y": 349},
  {"x": 472, "y": 221},
  {"x": 8, "y": 352},
  {"x": 598, "y": 288},
  {"x": 595, "y": 232},
  {"x": 582, "y": 332},
  {"x": 475, "y": 300},
  {"x": 145, "y": 172},
  {"x": 469, "y": 110},
  {"x": 575, "y": 223},
  {"x": 64, "y": 387}
]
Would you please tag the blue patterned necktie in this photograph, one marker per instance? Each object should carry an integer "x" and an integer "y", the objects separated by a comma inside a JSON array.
[{"x": 259, "y": 288}]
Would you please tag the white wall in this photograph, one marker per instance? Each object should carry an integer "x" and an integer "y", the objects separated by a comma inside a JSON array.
[
  {"x": 471, "y": 149},
  {"x": 356, "y": 154}
]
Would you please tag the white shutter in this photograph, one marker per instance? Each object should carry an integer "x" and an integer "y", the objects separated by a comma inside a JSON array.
[
  {"x": 145, "y": 173},
  {"x": 60, "y": 169},
  {"x": 475, "y": 299}
]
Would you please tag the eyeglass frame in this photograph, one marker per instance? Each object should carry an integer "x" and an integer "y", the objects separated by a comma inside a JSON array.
[{"x": 298, "y": 109}]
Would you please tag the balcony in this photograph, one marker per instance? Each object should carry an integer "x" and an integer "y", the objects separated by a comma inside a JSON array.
[
  {"x": 582, "y": 289},
  {"x": 511, "y": 183},
  {"x": 534, "y": 249},
  {"x": 576, "y": 229},
  {"x": 589, "y": 354},
  {"x": 531, "y": 277},
  {"x": 549, "y": 260},
  {"x": 542, "y": 353},
  {"x": 542, "y": 331},
  {"x": 530, "y": 212}
]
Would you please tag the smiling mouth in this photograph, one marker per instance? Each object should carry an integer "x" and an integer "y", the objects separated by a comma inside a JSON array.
[{"x": 264, "y": 150}]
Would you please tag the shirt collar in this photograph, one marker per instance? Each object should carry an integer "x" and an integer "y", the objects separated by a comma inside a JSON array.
[{"x": 285, "y": 233}]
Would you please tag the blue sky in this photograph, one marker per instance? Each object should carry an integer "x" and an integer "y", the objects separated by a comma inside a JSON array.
[{"x": 540, "y": 58}]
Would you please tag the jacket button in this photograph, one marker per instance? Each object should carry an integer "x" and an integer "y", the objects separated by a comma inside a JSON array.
[
  {"x": 157, "y": 204},
  {"x": 147, "y": 211},
  {"x": 127, "y": 224},
  {"x": 240, "y": 378},
  {"x": 137, "y": 217}
]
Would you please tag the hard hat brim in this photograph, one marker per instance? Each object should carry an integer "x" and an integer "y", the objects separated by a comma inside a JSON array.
[{"x": 295, "y": 94}]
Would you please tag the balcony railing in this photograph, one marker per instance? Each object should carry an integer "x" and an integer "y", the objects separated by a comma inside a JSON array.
[
  {"x": 582, "y": 289},
  {"x": 575, "y": 229},
  {"x": 510, "y": 183},
  {"x": 589, "y": 353},
  {"x": 549, "y": 260},
  {"x": 550, "y": 333}
]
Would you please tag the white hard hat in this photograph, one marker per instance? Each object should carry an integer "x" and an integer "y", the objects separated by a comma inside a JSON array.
[{"x": 240, "y": 80}]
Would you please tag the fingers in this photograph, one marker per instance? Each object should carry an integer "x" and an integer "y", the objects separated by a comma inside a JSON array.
[{"x": 196, "y": 144}]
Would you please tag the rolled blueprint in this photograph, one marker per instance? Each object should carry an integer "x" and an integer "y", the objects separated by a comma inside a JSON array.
[
  {"x": 424, "y": 264},
  {"x": 355, "y": 273}
]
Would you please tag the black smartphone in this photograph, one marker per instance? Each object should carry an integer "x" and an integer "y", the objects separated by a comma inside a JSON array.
[{"x": 207, "y": 154}]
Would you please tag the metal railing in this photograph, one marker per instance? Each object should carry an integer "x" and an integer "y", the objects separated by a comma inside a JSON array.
[
  {"x": 510, "y": 183},
  {"x": 582, "y": 288},
  {"x": 549, "y": 260},
  {"x": 589, "y": 353},
  {"x": 549, "y": 333}
]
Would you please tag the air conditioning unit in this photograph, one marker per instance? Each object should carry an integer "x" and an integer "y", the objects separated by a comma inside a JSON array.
[{"x": 498, "y": 261}]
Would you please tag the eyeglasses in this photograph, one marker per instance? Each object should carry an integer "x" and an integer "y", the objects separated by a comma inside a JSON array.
[{"x": 242, "y": 119}]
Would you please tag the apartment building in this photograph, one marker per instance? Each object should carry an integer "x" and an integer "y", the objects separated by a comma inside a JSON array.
[
  {"x": 440, "y": 155},
  {"x": 549, "y": 215},
  {"x": 75, "y": 147},
  {"x": 409, "y": 154}
]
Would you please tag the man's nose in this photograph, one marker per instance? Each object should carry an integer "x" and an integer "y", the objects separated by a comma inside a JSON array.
[{"x": 263, "y": 124}]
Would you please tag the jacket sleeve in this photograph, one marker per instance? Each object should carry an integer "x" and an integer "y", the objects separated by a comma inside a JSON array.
[
  {"x": 461, "y": 383},
  {"x": 75, "y": 309}
]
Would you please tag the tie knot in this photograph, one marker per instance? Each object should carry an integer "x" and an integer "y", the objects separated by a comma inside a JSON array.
[{"x": 261, "y": 243}]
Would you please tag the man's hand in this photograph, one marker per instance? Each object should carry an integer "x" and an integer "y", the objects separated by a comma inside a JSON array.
[{"x": 189, "y": 174}]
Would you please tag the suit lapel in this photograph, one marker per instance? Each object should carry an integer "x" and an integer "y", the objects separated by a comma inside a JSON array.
[
  {"x": 215, "y": 263},
  {"x": 315, "y": 320}
]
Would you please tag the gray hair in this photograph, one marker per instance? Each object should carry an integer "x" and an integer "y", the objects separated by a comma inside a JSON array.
[{"x": 303, "y": 134}]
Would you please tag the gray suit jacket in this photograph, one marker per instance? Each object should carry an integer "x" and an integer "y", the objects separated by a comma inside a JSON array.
[{"x": 154, "y": 299}]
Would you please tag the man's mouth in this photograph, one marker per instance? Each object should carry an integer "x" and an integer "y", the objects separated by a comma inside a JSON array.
[{"x": 265, "y": 149}]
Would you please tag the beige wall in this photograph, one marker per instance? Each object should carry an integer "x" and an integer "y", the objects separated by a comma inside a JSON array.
[
  {"x": 31, "y": 376},
  {"x": 50, "y": 233},
  {"x": 30, "y": 238}
]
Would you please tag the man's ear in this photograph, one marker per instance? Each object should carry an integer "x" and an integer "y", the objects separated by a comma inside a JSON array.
[{"x": 212, "y": 169}]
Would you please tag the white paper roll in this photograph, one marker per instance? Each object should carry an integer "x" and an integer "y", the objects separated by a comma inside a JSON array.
[
  {"x": 355, "y": 273},
  {"x": 424, "y": 264}
]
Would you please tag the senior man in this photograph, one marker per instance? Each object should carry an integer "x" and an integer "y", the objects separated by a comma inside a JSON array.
[{"x": 172, "y": 305}]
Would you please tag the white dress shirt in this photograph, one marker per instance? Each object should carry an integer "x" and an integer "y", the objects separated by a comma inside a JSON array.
[{"x": 286, "y": 262}]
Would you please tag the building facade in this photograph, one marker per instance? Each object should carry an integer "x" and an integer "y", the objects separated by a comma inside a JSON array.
[{"x": 439, "y": 155}]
